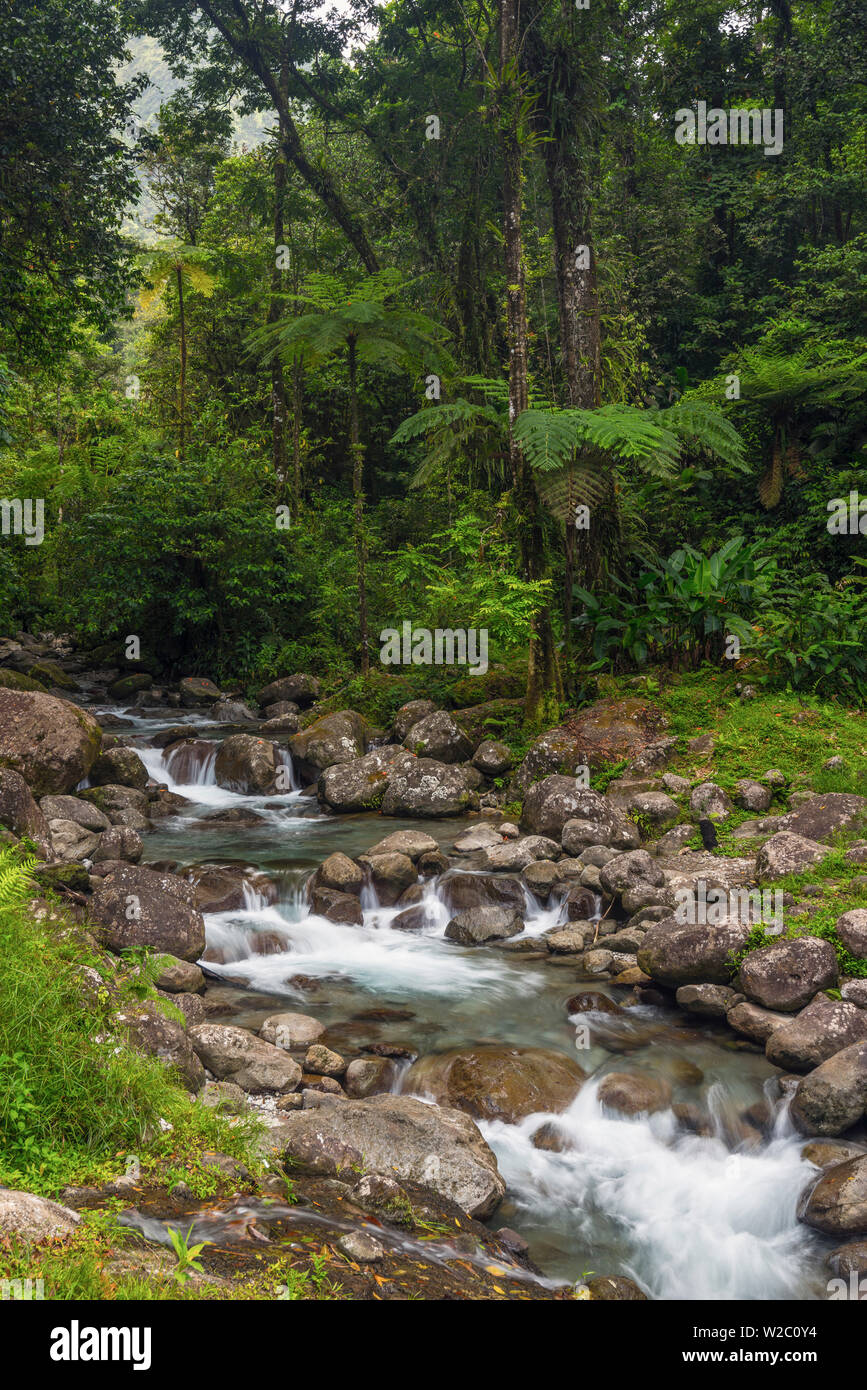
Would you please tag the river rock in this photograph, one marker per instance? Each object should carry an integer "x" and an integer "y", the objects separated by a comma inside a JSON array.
[
  {"x": 709, "y": 801},
  {"x": 786, "y": 853},
  {"x": 127, "y": 687},
  {"x": 179, "y": 976},
  {"x": 577, "y": 816},
  {"x": 540, "y": 876},
  {"x": 135, "y": 906},
  {"x": 119, "y": 767},
  {"x": 568, "y": 940},
  {"x": 435, "y": 1147},
  {"x": 344, "y": 908},
  {"x": 30, "y": 1220},
  {"x": 335, "y": 738},
  {"x": 70, "y": 841},
  {"x": 492, "y": 757},
  {"x": 119, "y": 842},
  {"x": 786, "y": 975},
  {"x": 824, "y": 1027},
  {"x": 298, "y": 689},
  {"x": 74, "y": 808},
  {"x": 390, "y": 874},
  {"x": 556, "y": 752},
  {"x": 823, "y": 816},
  {"x": 654, "y": 807},
  {"x": 856, "y": 990},
  {"x": 150, "y": 1031},
  {"x": 754, "y": 1022},
  {"x": 438, "y": 736},
  {"x": 686, "y": 955},
  {"x": 426, "y": 788},
  {"x": 480, "y": 924},
  {"x": 198, "y": 690},
  {"x": 498, "y": 1083},
  {"x": 368, "y": 1076},
  {"x": 849, "y": 1259},
  {"x": 221, "y": 887},
  {"x": 52, "y": 743},
  {"x": 852, "y": 930},
  {"x": 20, "y": 813},
  {"x": 409, "y": 714},
  {"x": 342, "y": 873},
  {"x": 323, "y": 1061},
  {"x": 246, "y": 764},
  {"x": 627, "y": 873},
  {"x": 708, "y": 1001},
  {"x": 252, "y": 1063},
  {"x": 752, "y": 796},
  {"x": 360, "y": 785},
  {"x": 412, "y": 843},
  {"x": 837, "y": 1205},
  {"x": 291, "y": 1031},
  {"x": 634, "y": 1093},
  {"x": 833, "y": 1097},
  {"x": 517, "y": 854},
  {"x": 462, "y": 891}
]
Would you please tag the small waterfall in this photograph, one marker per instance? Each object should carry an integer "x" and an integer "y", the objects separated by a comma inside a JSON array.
[{"x": 192, "y": 763}]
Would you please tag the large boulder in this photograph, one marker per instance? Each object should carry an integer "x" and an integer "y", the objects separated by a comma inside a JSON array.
[
  {"x": 409, "y": 714},
  {"x": 70, "y": 841},
  {"x": 233, "y": 1054},
  {"x": 300, "y": 690},
  {"x": 677, "y": 955},
  {"x": 149, "y": 1030},
  {"x": 555, "y": 801},
  {"x": 460, "y": 892},
  {"x": 20, "y": 813},
  {"x": 412, "y": 843},
  {"x": 492, "y": 757},
  {"x": 135, "y": 906},
  {"x": 119, "y": 842},
  {"x": 556, "y": 752},
  {"x": 438, "y": 736},
  {"x": 120, "y": 767},
  {"x": 389, "y": 874},
  {"x": 360, "y": 785},
  {"x": 517, "y": 854},
  {"x": 852, "y": 930},
  {"x": 627, "y": 872},
  {"x": 427, "y": 789},
  {"x": 833, "y": 1097},
  {"x": 498, "y": 1083},
  {"x": 52, "y": 743},
  {"x": 246, "y": 764},
  {"x": 480, "y": 924},
  {"x": 785, "y": 853},
  {"x": 30, "y": 1220},
  {"x": 824, "y": 1027},
  {"x": 291, "y": 1031},
  {"x": 198, "y": 690},
  {"x": 607, "y": 732},
  {"x": 837, "y": 1204},
  {"x": 426, "y": 1144},
  {"x": 74, "y": 808},
  {"x": 709, "y": 801},
  {"x": 787, "y": 974},
  {"x": 122, "y": 805},
  {"x": 340, "y": 872},
  {"x": 634, "y": 1093},
  {"x": 823, "y": 816},
  {"x": 335, "y": 738},
  {"x": 754, "y": 1022}
]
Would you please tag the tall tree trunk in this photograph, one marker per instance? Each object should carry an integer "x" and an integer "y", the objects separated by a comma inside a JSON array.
[
  {"x": 278, "y": 383},
  {"x": 357, "y": 451},
  {"x": 182, "y": 384},
  {"x": 297, "y": 383},
  {"x": 544, "y": 689}
]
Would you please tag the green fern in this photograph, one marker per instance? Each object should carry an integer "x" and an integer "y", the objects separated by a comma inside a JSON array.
[{"x": 16, "y": 884}]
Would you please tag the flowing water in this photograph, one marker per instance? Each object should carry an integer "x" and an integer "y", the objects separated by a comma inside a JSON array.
[{"x": 688, "y": 1216}]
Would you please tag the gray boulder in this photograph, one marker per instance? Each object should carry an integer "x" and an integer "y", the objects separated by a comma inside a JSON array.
[
  {"x": 427, "y": 789},
  {"x": 361, "y": 784},
  {"x": 684, "y": 955},
  {"x": 235, "y": 1055},
  {"x": 480, "y": 924},
  {"x": 120, "y": 767},
  {"x": 134, "y": 906},
  {"x": 852, "y": 930},
  {"x": 52, "y": 743},
  {"x": 435, "y": 1147},
  {"x": 787, "y": 974},
  {"x": 786, "y": 853},
  {"x": 438, "y": 736},
  {"x": 20, "y": 813},
  {"x": 824, "y": 1027},
  {"x": 833, "y": 1098},
  {"x": 837, "y": 1205},
  {"x": 246, "y": 764}
]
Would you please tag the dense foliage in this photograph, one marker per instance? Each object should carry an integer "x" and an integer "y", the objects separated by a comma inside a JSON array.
[{"x": 279, "y": 395}]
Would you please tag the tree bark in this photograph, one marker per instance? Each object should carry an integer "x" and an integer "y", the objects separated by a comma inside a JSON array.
[
  {"x": 182, "y": 384},
  {"x": 544, "y": 688},
  {"x": 357, "y": 451}
]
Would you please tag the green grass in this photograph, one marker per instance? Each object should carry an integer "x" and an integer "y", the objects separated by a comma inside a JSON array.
[{"x": 74, "y": 1099}]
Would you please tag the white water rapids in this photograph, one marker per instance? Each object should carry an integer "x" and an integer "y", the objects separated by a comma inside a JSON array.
[{"x": 686, "y": 1216}]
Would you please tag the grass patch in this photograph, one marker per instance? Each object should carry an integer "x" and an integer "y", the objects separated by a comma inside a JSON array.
[{"x": 74, "y": 1098}]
